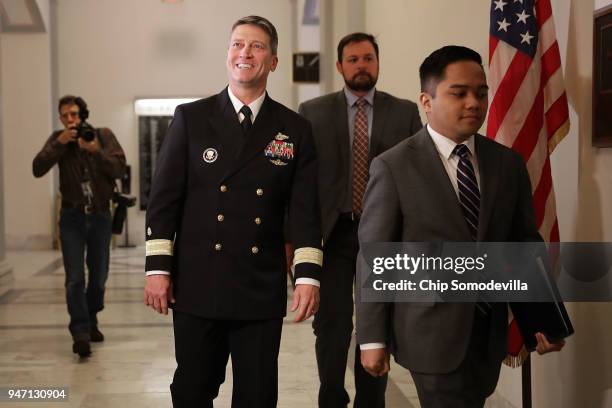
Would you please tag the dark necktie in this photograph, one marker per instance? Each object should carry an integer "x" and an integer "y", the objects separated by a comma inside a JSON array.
[
  {"x": 360, "y": 156},
  {"x": 469, "y": 197},
  {"x": 469, "y": 194},
  {"x": 246, "y": 122}
]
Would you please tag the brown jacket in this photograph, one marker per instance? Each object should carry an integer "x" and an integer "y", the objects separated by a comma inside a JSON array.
[{"x": 104, "y": 167}]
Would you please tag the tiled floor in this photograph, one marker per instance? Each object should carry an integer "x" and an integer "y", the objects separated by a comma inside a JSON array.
[{"x": 134, "y": 366}]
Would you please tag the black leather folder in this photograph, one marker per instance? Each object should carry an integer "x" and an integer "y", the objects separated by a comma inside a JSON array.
[{"x": 549, "y": 317}]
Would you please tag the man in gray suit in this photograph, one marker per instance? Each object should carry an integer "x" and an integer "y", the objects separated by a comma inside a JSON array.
[
  {"x": 350, "y": 127},
  {"x": 445, "y": 184}
]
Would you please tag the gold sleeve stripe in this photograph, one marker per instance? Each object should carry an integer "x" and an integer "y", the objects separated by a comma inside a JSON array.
[
  {"x": 159, "y": 247},
  {"x": 308, "y": 255}
]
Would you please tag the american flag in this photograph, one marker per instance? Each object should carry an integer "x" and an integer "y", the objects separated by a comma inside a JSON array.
[{"x": 528, "y": 110}]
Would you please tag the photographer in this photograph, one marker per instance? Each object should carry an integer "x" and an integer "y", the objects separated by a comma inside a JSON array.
[{"x": 89, "y": 159}]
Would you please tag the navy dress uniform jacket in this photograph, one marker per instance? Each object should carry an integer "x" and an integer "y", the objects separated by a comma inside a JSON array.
[{"x": 218, "y": 204}]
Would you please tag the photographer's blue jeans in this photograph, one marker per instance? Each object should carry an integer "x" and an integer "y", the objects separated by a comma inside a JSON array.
[{"x": 82, "y": 234}]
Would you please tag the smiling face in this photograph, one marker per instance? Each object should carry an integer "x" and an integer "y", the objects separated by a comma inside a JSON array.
[
  {"x": 459, "y": 106},
  {"x": 249, "y": 58}
]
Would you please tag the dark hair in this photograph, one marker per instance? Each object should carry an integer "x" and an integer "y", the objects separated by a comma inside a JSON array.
[
  {"x": 433, "y": 69},
  {"x": 355, "y": 38},
  {"x": 74, "y": 100},
  {"x": 265, "y": 25}
]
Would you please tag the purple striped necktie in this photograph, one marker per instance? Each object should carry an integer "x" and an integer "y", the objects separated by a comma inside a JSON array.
[
  {"x": 469, "y": 194},
  {"x": 469, "y": 197}
]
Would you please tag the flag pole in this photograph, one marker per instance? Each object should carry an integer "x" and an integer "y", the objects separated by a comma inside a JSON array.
[{"x": 526, "y": 382}]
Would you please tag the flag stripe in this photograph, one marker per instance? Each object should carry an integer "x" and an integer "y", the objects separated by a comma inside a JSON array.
[
  {"x": 493, "y": 41},
  {"x": 542, "y": 191},
  {"x": 525, "y": 142},
  {"x": 554, "y": 89},
  {"x": 554, "y": 234},
  {"x": 550, "y": 62},
  {"x": 534, "y": 164},
  {"x": 516, "y": 116},
  {"x": 500, "y": 61},
  {"x": 507, "y": 90},
  {"x": 547, "y": 35},
  {"x": 557, "y": 115},
  {"x": 550, "y": 217},
  {"x": 543, "y": 11}
]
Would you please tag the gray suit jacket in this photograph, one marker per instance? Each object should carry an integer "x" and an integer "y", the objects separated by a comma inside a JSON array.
[
  {"x": 411, "y": 199},
  {"x": 394, "y": 120}
]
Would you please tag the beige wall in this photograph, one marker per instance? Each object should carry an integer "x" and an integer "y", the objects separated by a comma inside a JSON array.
[
  {"x": 26, "y": 114},
  {"x": 582, "y": 373},
  {"x": 408, "y": 31}
]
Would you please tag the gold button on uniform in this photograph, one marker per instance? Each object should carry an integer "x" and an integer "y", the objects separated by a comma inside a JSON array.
[
  {"x": 260, "y": 191},
  {"x": 218, "y": 247},
  {"x": 254, "y": 250},
  {"x": 223, "y": 188},
  {"x": 257, "y": 220},
  {"x": 220, "y": 217}
]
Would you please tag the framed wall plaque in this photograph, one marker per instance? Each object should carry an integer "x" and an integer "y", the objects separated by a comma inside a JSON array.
[
  {"x": 602, "y": 79},
  {"x": 20, "y": 17},
  {"x": 306, "y": 67}
]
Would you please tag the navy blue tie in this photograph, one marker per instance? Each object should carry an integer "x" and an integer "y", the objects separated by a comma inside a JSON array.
[{"x": 469, "y": 197}]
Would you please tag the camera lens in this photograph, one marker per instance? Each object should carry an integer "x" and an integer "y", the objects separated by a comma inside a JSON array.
[{"x": 86, "y": 132}]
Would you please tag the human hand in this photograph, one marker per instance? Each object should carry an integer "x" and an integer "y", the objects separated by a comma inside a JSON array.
[
  {"x": 158, "y": 292},
  {"x": 544, "y": 346},
  {"x": 305, "y": 301},
  {"x": 68, "y": 135},
  {"x": 375, "y": 361},
  {"x": 91, "y": 147}
]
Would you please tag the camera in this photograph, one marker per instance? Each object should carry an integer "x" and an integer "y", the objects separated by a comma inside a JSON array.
[
  {"x": 122, "y": 201},
  {"x": 84, "y": 130}
]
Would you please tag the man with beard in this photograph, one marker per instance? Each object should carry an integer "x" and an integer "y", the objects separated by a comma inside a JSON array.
[{"x": 350, "y": 128}]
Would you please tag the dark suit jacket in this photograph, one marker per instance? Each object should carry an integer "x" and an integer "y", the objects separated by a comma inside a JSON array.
[
  {"x": 394, "y": 120},
  {"x": 410, "y": 198},
  {"x": 225, "y": 217}
]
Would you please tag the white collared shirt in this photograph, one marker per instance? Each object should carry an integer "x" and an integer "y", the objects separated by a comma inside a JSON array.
[
  {"x": 255, "y": 106},
  {"x": 445, "y": 147}
]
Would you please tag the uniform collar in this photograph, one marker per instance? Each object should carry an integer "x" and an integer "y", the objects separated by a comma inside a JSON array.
[{"x": 255, "y": 105}]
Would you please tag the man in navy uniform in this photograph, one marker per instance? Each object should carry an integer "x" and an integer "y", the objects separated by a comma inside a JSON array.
[{"x": 232, "y": 169}]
